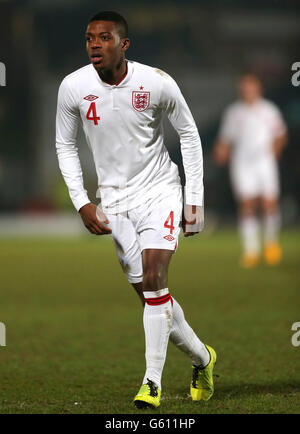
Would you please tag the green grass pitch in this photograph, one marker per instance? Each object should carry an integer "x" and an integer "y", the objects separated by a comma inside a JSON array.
[{"x": 75, "y": 340}]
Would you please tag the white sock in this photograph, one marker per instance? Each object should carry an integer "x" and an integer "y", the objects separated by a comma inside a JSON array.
[
  {"x": 184, "y": 337},
  {"x": 158, "y": 315},
  {"x": 271, "y": 227},
  {"x": 249, "y": 230}
]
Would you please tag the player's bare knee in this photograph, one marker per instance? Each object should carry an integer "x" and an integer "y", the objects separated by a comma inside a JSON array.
[
  {"x": 154, "y": 280},
  {"x": 269, "y": 206},
  {"x": 247, "y": 209}
]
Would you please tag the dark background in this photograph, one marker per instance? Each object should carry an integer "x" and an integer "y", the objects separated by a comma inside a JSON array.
[{"x": 204, "y": 45}]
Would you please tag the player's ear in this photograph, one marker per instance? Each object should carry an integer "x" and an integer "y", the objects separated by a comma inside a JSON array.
[{"x": 125, "y": 44}]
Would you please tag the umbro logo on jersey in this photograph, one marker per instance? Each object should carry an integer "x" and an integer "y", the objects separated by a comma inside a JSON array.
[
  {"x": 91, "y": 97},
  {"x": 169, "y": 238}
]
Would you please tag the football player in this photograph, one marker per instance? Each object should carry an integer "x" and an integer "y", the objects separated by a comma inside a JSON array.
[
  {"x": 251, "y": 139},
  {"x": 120, "y": 104}
]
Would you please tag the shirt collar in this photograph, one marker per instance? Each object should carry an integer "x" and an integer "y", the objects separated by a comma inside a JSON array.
[{"x": 124, "y": 81}]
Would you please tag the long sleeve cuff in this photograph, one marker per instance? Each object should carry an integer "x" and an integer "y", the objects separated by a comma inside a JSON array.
[
  {"x": 192, "y": 198},
  {"x": 80, "y": 200}
]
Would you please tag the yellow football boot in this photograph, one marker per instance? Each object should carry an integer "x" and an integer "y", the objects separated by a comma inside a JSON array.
[
  {"x": 148, "y": 396},
  {"x": 249, "y": 260},
  {"x": 202, "y": 385},
  {"x": 272, "y": 254}
]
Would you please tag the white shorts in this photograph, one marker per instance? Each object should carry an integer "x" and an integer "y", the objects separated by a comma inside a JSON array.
[
  {"x": 258, "y": 179},
  {"x": 153, "y": 225}
]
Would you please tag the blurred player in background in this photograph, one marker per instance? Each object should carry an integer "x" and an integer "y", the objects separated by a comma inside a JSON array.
[
  {"x": 251, "y": 138},
  {"x": 120, "y": 104}
]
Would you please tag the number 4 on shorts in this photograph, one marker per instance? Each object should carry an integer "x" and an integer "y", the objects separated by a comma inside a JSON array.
[{"x": 171, "y": 220}]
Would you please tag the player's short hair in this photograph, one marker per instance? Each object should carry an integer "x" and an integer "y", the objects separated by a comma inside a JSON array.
[{"x": 120, "y": 21}]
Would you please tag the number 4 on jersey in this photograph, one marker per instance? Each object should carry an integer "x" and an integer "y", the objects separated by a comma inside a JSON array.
[{"x": 92, "y": 114}]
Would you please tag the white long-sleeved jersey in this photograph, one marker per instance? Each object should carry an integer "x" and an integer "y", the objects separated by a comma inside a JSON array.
[
  {"x": 251, "y": 130},
  {"x": 123, "y": 128}
]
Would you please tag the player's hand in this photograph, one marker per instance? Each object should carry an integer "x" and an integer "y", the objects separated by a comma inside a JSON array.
[
  {"x": 94, "y": 219},
  {"x": 221, "y": 154},
  {"x": 192, "y": 220},
  {"x": 278, "y": 145}
]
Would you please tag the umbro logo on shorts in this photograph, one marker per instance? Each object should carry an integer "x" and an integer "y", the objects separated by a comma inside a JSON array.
[
  {"x": 169, "y": 238},
  {"x": 91, "y": 97}
]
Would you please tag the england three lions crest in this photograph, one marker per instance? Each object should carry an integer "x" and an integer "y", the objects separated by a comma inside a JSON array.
[{"x": 140, "y": 100}]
